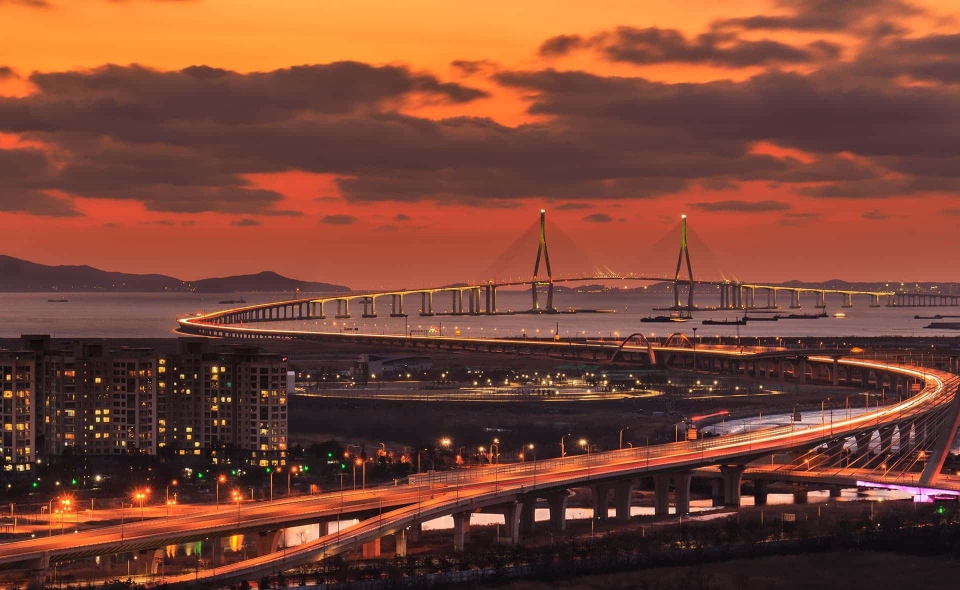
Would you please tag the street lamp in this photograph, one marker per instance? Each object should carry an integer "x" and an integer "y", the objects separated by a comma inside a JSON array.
[
  {"x": 293, "y": 469},
  {"x": 64, "y": 507},
  {"x": 221, "y": 479},
  {"x": 141, "y": 495},
  {"x": 172, "y": 483},
  {"x": 694, "y": 350},
  {"x": 584, "y": 445},
  {"x": 358, "y": 461},
  {"x": 621, "y": 435},
  {"x": 563, "y": 450},
  {"x": 237, "y": 496},
  {"x": 495, "y": 454},
  {"x": 271, "y": 472}
]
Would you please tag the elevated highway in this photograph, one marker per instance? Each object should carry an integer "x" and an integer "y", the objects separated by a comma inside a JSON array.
[{"x": 514, "y": 489}]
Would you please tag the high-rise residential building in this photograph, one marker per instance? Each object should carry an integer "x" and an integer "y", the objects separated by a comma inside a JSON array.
[
  {"x": 18, "y": 411},
  {"x": 206, "y": 400},
  {"x": 228, "y": 400}
]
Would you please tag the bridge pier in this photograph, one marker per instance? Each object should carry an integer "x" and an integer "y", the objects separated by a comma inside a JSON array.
[
  {"x": 557, "y": 502},
  {"x": 800, "y": 495},
  {"x": 863, "y": 443},
  {"x": 321, "y": 315},
  {"x": 457, "y": 302},
  {"x": 40, "y": 570},
  {"x": 732, "y": 477},
  {"x": 847, "y": 300},
  {"x": 491, "y": 292},
  {"x": 600, "y": 496},
  {"x": 886, "y": 439},
  {"x": 511, "y": 520},
  {"x": 370, "y": 307},
  {"x": 400, "y": 540},
  {"x": 681, "y": 487},
  {"x": 371, "y": 549},
  {"x": 426, "y": 303},
  {"x": 343, "y": 309},
  {"x": 528, "y": 514},
  {"x": 461, "y": 530},
  {"x": 622, "y": 496},
  {"x": 396, "y": 306},
  {"x": 794, "y": 299},
  {"x": 268, "y": 541},
  {"x": 760, "y": 490}
]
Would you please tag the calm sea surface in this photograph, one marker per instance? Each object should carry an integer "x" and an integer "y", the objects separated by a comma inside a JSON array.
[{"x": 153, "y": 315}]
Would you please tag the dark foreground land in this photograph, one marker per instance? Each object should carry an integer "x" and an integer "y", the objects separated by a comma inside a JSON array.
[{"x": 849, "y": 570}]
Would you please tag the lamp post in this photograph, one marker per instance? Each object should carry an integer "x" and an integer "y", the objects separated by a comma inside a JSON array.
[
  {"x": 64, "y": 507},
  {"x": 271, "y": 472},
  {"x": 621, "y": 435},
  {"x": 584, "y": 445},
  {"x": 293, "y": 469},
  {"x": 495, "y": 454},
  {"x": 237, "y": 496},
  {"x": 172, "y": 483},
  {"x": 221, "y": 479},
  {"x": 141, "y": 495},
  {"x": 534, "y": 451},
  {"x": 694, "y": 350},
  {"x": 121, "y": 520},
  {"x": 563, "y": 450}
]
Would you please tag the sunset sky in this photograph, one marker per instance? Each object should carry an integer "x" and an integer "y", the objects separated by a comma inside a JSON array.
[{"x": 377, "y": 143}]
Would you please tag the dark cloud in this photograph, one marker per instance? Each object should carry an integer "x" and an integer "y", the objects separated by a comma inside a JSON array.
[
  {"x": 246, "y": 222},
  {"x": 875, "y": 215},
  {"x": 402, "y": 217},
  {"x": 7, "y": 72},
  {"x": 654, "y": 45},
  {"x": 28, "y": 3},
  {"x": 743, "y": 206},
  {"x": 471, "y": 67},
  {"x": 339, "y": 219},
  {"x": 598, "y": 218},
  {"x": 873, "y": 17},
  {"x": 573, "y": 206},
  {"x": 561, "y": 45}
]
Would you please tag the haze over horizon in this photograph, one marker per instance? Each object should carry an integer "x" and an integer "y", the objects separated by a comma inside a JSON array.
[{"x": 377, "y": 144}]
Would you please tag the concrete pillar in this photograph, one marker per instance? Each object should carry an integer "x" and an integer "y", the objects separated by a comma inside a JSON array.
[
  {"x": 371, "y": 549},
  {"x": 681, "y": 486},
  {"x": 716, "y": 491},
  {"x": 800, "y": 495},
  {"x": 152, "y": 559},
  {"x": 217, "y": 556},
  {"x": 835, "y": 491},
  {"x": 40, "y": 570},
  {"x": 886, "y": 439},
  {"x": 557, "y": 502},
  {"x": 863, "y": 442},
  {"x": 622, "y": 494},
  {"x": 732, "y": 477},
  {"x": 661, "y": 495},
  {"x": 795, "y": 299},
  {"x": 414, "y": 531},
  {"x": 528, "y": 514},
  {"x": 801, "y": 370},
  {"x": 400, "y": 539},
  {"x": 511, "y": 520},
  {"x": 461, "y": 530},
  {"x": 601, "y": 492},
  {"x": 760, "y": 492},
  {"x": 267, "y": 542}
]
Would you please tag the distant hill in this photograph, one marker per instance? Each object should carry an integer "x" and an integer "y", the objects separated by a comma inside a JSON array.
[{"x": 18, "y": 275}]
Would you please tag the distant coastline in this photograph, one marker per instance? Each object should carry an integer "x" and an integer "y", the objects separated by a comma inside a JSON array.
[{"x": 23, "y": 276}]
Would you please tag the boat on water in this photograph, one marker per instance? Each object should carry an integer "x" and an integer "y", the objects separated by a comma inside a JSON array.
[
  {"x": 664, "y": 318},
  {"x": 232, "y": 301},
  {"x": 61, "y": 300},
  {"x": 807, "y": 316},
  {"x": 839, "y": 315},
  {"x": 733, "y": 322},
  {"x": 753, "y": 318}
]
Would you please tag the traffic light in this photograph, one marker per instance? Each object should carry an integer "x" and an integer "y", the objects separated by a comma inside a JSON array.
[
  {"x": 35, "y": 484},
  {"x": 233, "y": 472},
  {"x": 73, "y": 481},
  {"x": 941, "y": 509},
  {"x": 343, "y": 466},
  {"x": 199, "y": 475},
  {"x": 329, "y": 455},
  {"x": 269, "y": 470},
  {"x": 306, "y": 468}
]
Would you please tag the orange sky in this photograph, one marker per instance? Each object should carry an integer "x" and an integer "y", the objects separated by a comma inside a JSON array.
[{"x": 904, "y": 236}]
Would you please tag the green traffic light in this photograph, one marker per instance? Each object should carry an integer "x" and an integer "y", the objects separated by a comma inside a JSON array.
[
  {"x": 306, "y": 468},
  {"x": 940, "y": 510},
  {"x": 343, "y": 466},
  {"x": 329, "y": 455},
  {"x": 199, "y": 476},
  {"x": 73, "y": 481},
  {"x": 35, "y": 484},
  {"x": 233, "y": 472}
]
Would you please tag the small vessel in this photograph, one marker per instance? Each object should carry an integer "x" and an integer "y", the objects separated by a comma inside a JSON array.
[
  {"x": 806, "y": 316},
  {"x": 753, "y": 318},
  {"x": 232, "y": 301},
  {"x": 733, "y": 322},
  {"x": 673, "y": 317},
  {"x": 61, "y": 300},
  {"x": 839, "y": 315}
]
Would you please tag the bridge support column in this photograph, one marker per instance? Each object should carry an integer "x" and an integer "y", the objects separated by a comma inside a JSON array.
[
  {"x": 760, "y": 492},
  {"x": 836, "y": 373},
  {"x": 681, "y": 491},
  {"x": 905, "y": 430},
  {"x": 40, "y": 570},
  {"x": 396, "y": 307},
  {"x": 150, "y": 560},
  {"x": 863, "y": 443},
  {"x": 343, "y": 309},
  {"x": 267, "y": 542},
  {"x": 370, "y": 307},
  {"x": 601, "y": 493},
  {"x": 794, "y": 299},
  {"x": 800, "y": 495},
  {"x": 732, "y": 477},
  {"x": 801, "y": 370},
  {"x": 681, "y": 487},
  {"x": 557, "y": 502},
  {"x": 528, "y": 515},
  {"x": 886, "y": 439},
  {"x": 622, "y": 494},
  {"x": 491, "y": 299},
  {"x": 661, "y": 495},
  {"x": 400, "y": 540},
  {"x": 511, "y": 520},
  {"x": 835, "y": 491},
  {"x": 847, "y": 300},
  {"x": 821, "y": 300},
  {"x": 371, "y": 549},
  {"x": 457, "y": 302},
  {"x": 217, "y": 553},
  {"x": 426, "y": 303},
  {"x": 414, "y": 531},
  {"x": 461, "y": 530}
]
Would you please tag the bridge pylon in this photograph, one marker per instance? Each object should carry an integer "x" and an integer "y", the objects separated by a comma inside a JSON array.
[
  {"x": 537, "y": 281},
  {"x": 684, "y": 253}
]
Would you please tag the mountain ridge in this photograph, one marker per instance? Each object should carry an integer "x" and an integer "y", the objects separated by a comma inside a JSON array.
[{"x": 24, "y": 276}]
